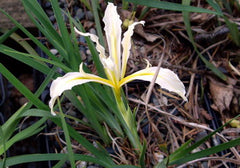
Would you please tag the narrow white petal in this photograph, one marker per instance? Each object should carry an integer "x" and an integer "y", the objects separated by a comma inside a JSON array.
[
  {"x": 68, "y": 81},
  {"x": 113, "y": 32},
  {"x": 126, "y": 45},
  {"x": 107, "y": 62},
  {"x": 94, "y": 38},
  {"x": 166, "y": 78}
]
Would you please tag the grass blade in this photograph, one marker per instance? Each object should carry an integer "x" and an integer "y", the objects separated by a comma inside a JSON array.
[
  {"x": 33, "y": 61},
  {"x": 67, "y": 137},
  {"x": 25, "y": 91},
  {"x": 10, "y": 125},
  {"x": 171, "y": 6},
  {"x": 89, "y": 111},
  {"x": 60, "y": 163},
  {"x": 3, "y": 145},
  {"x": 26, "y": 60},
  {"x": 29, "y": 131},
  {"x": 16, "y": 160},
  {"x": 7, "y": 34},
  {"x": 208, "y": 151},
  {"x": 181, "y": 151},
  {"x": 28, "y": 34},
  {"x": 21, "y": 42},
  {"x": 38, "y": 18},
  {"x": 233, "y": 28},
  {"x": 215, "y": 6},
  {"x": 185, "y": 152},
  {"x": 67, "y": 43},
  {"x": 34, "y": 9},
  {"x": 97, "y": 21},
  {"x": 190, "y": 35},
  {"x": 234, "y": 31},
  {"x": 101, "y": 155}
]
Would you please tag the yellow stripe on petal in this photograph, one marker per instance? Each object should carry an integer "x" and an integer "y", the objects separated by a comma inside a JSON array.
[
  {"x": 166, "y": 78},
  {"x": 69, "y": 80}
]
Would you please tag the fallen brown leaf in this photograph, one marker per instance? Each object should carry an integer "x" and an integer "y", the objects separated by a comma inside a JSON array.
[
  {"x": 148, "y": 36},
  {"x": 139, "y": 28},
  {"x": 221, "y": 94}
]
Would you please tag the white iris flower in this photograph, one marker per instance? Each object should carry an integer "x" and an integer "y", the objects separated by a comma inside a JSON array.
[{"x": 115, "y": 64}]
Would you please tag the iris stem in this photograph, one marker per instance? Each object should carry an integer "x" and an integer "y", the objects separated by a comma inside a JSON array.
[{"x": 128, "y": 121}]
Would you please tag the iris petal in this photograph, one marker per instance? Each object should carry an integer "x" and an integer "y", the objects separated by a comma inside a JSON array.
[
  {"x": 126, "y": 45},
  {"x": 166, "y": 78},
  {"x": 69, "y": 80},
  {"x": 113, "y": 33}
]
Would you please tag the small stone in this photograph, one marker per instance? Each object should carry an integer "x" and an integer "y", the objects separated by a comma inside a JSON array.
[
  {"x": 110, "y": 150},
  {"x": 89, "y": 15},
  {"x": 59, "y": 70},
  {"x": 45, "y": 95},
  {"x": 79, "y": 14},
  {"x": 64, "y": 150},
  {"x": 47, "y": 5},
  {"x": 75, "y": 8},
  {"x": 62, "y": 3},
  {"x": 52, "y": 18},
  {"x": 54, "y": 51},
  {"x": 145, "y": 129},
  {"x": 82, "y": 164},
  {"x": 65, "y": 17},
  {"x": 83, "y": 55},
  {"x": 82, "y": 39},
  {"x": 23, "y": 100},
  {"x": 71, "y": 112},
  {"x": 158, "y": 156},
  {"x": 155, "y": 101},
  {"x": 49, "y": 12},
  {"x": 65, "y": 6},
  {"x": 92, "y": 31},
  {"x": 88, "y": 52},
  {"x": 55, "y": 25},
  {"x": 200, "y": 135},
  {"x": 222, "y": 69}
]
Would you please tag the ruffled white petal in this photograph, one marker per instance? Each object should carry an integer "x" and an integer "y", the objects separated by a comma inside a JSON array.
[
  {"x": 68, "y": 81},
  {"x": 126, "y": 45},
  {"x": 113, "y": 34},
  {"x": 166, "y": 78}
]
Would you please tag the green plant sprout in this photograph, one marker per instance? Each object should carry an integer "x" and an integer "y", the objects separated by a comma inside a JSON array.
[{"x": 115, "y": 68}]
